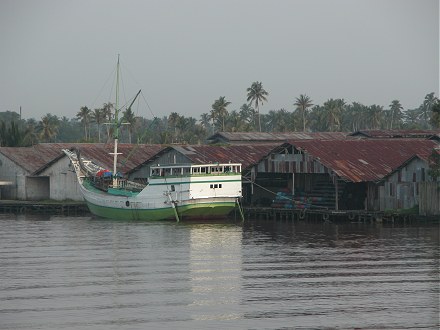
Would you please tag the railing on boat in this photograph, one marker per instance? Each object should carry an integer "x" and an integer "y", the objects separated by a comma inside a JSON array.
[{"x": 193, "y": 170}]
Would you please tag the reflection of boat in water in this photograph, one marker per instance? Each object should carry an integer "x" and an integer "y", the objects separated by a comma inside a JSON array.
[{"x": 172, "y": 191}]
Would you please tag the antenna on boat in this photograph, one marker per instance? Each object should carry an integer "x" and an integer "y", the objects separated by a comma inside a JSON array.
[{"x": 116, "y": 134}]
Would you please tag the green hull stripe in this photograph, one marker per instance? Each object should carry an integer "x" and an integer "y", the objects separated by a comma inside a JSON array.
[{"x": 200, "y": 210}]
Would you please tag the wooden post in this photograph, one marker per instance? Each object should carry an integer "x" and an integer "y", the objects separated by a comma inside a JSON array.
[{"x": 293, "y": 184}]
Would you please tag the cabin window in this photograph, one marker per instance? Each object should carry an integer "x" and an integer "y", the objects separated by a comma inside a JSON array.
[
  {"x": 219, "y": 185},
  {"x": 173, "y": 188}
]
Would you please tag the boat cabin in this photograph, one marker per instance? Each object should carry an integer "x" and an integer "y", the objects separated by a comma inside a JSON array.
[{"x": 192, "y": 170}]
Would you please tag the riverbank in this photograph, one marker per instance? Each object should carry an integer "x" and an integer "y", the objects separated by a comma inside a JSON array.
[
  {"x": 72, "y": 208},
  {"x": 44, "y": 207},
  {"x": 312, "y": 215}
]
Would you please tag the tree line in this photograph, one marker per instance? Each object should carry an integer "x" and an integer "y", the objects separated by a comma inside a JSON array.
[{"x": 332, "y": 116}]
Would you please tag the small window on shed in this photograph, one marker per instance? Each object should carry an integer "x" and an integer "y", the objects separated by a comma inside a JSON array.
[{"x": 391, "y": 189}]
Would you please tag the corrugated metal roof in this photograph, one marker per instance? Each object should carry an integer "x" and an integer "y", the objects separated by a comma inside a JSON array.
[
  {"x": 34, "y": 159},
  {"x": 29, "y": 158},
  {"x": 365, "y": 160},
  {"x": 265, "y": 137},
  {"x": 132, "y": 154},
  {"x": 247, "y": 154},
  {"x": 415, "y": 133}
]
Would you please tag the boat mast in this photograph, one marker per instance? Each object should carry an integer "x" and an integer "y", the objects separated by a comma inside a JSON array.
[{"x": 116, "y": 134}]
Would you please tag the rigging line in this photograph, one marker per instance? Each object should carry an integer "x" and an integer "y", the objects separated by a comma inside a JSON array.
[
  {"x": 102, "y": 88},
  {"x": 282, "y": 197},
  {"x": 146, "y": 102},
  {"x": 250, "y": 181},
  {"x": 123, "y": 86},
  {"x": 129, "y": 72},
  {"x": 136, "y": 146}
]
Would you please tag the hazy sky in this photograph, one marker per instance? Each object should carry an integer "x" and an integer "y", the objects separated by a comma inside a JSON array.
[{"x": 57, "y": 55}]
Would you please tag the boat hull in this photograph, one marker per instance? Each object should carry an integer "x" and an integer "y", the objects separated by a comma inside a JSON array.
[
  {"x": 196, "y": 210},
  {"x": 173, "y": 192}
]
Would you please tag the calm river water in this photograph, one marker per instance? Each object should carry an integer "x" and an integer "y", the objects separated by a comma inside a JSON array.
[{"x": 88, "y": 273}]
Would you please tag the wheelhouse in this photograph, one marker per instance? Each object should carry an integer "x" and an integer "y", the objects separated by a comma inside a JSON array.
[{"x": 194, "y": 170}]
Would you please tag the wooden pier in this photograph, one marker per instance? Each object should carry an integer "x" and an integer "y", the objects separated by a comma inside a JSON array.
[
  {"x": 49, "y": 207},
  {"x": 318, "y": 215}
]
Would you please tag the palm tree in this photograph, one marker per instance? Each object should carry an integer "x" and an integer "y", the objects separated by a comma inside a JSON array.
[
  {"x": 427, "y": 105},
  {"x": 48, "y": 127},
  {"x": 108, "y": 115},
  {"x": 435, "y": 118},
  {"x": 334, "y": 109},
  {"x": 183, "y": 125},
  {"x": 303, "y": 102},
  {"x": 84, "y": 115},
  {"x": 199, "y": 133},
  {"x": 130, "y": 119},
  {"x": 256, "y": 94},
  {"x": 234, "y": 121},
  {"x": 219, "y": 110},
  {"x": 375, "y": 113},
  {"x": 31, "y": 136},
  {"x": 173, "y": 118},
  {"x": 396, "y": 113},
  {"x": 204, "y": 120},
  {"x": 98, "y": 117}
]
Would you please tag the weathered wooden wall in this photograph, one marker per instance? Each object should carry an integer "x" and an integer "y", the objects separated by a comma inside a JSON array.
[{"x": 429, "y": 202}]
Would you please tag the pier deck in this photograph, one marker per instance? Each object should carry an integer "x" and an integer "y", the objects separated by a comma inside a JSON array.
[
  {"x": 41, "y": 207},
  {"x": 269, "y": 213}
]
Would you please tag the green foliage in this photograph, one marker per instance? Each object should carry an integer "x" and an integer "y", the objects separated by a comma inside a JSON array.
[
  {"x": 434, "y": 164},
  {"x": 333, "y": 115},
  {"x": 9, "y": 136},
  {"x": 257, "y": 94},
  {"x": 303, "y": 102},
  {"x": 435, "y": 117}
]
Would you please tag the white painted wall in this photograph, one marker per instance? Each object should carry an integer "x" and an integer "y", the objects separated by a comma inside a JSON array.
[
  {"x": 9, "y": 171},
  {"x": 63, "y": 181}
]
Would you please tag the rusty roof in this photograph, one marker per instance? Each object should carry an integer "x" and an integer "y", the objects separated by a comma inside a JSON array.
[
  {"x": 272, "y": 137},
  {"x": 36, "y": 158},
  {"x": 246, "y": 154},
  {"x": 414, "y": 133},
  {"x": 365, "y": 160},
  {"x": 132, "y": 154}
]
